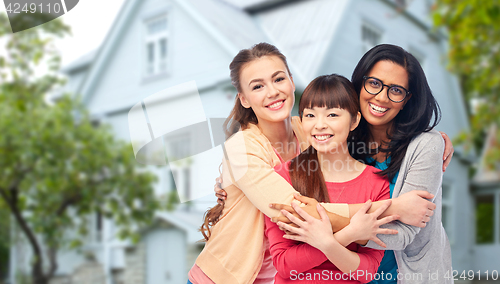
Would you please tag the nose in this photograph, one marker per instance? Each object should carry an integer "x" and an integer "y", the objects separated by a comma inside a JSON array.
[
  {"x": 383, "y": 96},
  {"x": 272, "y": 91},
  {"x": 320, "y": 123}
]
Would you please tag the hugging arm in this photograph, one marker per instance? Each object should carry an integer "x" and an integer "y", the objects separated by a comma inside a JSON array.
[
  {"x": 248, "y": 166},
  {"x": 318, "y": 234},
  {"x": 424, "y": 173}
]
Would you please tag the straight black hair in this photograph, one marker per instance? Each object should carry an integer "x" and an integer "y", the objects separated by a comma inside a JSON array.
[{"x": 420, "y": 114}]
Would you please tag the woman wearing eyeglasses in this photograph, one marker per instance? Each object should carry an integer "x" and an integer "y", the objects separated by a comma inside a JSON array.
[{"x": 399, "y": 113}]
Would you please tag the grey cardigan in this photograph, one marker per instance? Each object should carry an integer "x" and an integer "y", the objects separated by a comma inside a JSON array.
[{"x": 423, "y": 254}]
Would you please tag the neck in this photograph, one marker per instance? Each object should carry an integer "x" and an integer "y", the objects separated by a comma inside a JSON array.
[
  {"x": 379, "y": 135},
  {"x": 339, "y": 166},
  {"x": 280, "y": 134}
]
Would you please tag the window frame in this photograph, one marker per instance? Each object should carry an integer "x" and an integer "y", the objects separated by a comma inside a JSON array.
[{"x": 155, "y": 39}]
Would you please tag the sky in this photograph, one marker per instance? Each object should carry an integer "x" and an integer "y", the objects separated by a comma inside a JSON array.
[{"x": 90, "y": 22}]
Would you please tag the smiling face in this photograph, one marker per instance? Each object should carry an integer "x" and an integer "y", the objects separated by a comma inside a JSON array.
[
  {"x": 267, "y": 88},
  {"x": 327, "y": 129},
  {"x": 378, "y": 110}
]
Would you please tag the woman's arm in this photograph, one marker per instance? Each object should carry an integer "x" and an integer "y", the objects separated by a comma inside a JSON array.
[
  {"x": 424, "y": 172},
  {"x": 318, "y": 234},
  {"x": 248, "y": 165},
  {"x": 290, "y": 255}
]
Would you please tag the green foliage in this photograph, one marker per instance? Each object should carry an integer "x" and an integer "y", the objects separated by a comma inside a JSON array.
[
  {"x": 474, "y": 55},
  {"x": 57, "y": 168},
  {"x": 485, "y": 213}
]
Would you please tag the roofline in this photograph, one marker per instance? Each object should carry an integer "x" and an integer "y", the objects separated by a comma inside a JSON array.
[
  {"x": 102, "y": 55},
  {"x": 431, "y": 32},
  {"x": 268, "y": 5}
]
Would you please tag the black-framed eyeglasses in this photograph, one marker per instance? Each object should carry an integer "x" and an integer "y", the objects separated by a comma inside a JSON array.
[{"x": 374, "y": 86}]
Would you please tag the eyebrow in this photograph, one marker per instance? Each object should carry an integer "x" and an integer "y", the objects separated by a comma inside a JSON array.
[{"x": 260, "y": 80}]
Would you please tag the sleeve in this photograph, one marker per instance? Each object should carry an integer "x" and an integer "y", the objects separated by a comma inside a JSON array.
[
  {"x": 424, "y": 173},
  {"x": 291, "y": 255},
  {"x": 248, "y": 165}
]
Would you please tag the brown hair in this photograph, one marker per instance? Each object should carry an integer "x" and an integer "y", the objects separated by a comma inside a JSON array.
[
  {"x": 332, "y": 91},
  {"x": 239, "y": 116}
]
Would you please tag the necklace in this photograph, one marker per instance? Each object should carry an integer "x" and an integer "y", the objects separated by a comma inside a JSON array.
[{"x": 338, "y": 197}]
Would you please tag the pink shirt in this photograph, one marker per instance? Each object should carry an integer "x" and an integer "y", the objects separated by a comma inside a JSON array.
[{"x": 298, "y": 262}]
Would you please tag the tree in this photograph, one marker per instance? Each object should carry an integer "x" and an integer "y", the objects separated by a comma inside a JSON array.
[
  {"x": 56, "y": 167},
  {"x": 474, "y": 55}
]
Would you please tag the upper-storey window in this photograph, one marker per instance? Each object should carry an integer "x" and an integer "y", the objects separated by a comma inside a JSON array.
[
  {"x": 156, "y": 45},
  {"x": 369, "y": 37}
]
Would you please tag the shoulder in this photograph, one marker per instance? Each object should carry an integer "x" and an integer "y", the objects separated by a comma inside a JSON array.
[
  {"x": 247, "y": 137},
  {"x": 373, "y": 176},
  {"x": 430, "y": 141}
]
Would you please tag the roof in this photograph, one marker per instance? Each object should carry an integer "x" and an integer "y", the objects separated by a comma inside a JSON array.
[
  {"x": 306, "y": 36},
  {"x": 81, "y": 62},
  {"x": 187, "y": 220}
]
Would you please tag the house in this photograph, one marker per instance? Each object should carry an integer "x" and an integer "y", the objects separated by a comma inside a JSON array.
[{"x": 158, "y": 44}]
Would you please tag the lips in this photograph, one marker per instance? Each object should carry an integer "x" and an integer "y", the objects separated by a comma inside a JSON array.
[
  {"x": 276, "y": 104},
  {"x": 377, "y": 108},
  {"x": 322, "y": 137}
]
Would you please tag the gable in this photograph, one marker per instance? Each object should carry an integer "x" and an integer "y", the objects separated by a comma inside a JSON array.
[{"x": 118, "y": 81}]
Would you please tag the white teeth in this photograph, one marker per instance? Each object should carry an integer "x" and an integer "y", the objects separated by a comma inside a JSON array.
[
  {"x": 277, "y": 104},
  {"x": 378, "y": 109},
  {"x": 322, "y": 137}
]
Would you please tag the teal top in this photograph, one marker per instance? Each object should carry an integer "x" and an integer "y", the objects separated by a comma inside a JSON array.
[{"x": 388, "y": 269}]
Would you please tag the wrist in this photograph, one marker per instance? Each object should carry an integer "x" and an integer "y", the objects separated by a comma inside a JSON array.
[{"x": 345, "y": 236}]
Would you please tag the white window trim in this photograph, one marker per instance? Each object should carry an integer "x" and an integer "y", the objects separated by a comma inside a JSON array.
[
  {"x": 370, "y": 26},
  {"x": 451, "y": 209},
  {"x": 179, "y": 168},
  {"x": 496, "y": 217},
  {"x": 146, "y": 39}
]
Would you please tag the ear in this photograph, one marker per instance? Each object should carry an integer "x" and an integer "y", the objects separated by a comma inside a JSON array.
[
  {"x": 355, "y": 121},
  {"x": 243, "y": 101}
]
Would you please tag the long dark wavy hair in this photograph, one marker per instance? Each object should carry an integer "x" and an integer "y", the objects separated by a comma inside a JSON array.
[
  {"x": 239, "y": 116},
  {"x": 421, "y": 112},
  {"x": 332, "y": 91}
]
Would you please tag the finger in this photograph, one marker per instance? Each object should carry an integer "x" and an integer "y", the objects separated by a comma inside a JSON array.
[
  {"x": 426, "y": 219},
  {"x": 304, "y": 199},
  {"x": 431, "y": 206},
  {"x": 425, "y": 194},
  {"x": 292, "y": 218},
  {"x": 282, "y": 207},
  {"x": 379, "y": 242},
  {"x": 302, "y": 213},
  {"x": 280, "y": 219},
  {"x": 292, "y": 229},
  {"x": 322, "y": 213},
  {"x": 430, "y": 212},
  {"x": 220, "y": 201},
  {"x": 365, "y": 207},
  {"x": 382, "y": 208},
  {"x": 294, "y": 237},
  {"x": 448, "y": 159},
  {"x": 387, "y": 231},
  {"x": 387, "y": 219},
  {"x": 447, "y": 144}
]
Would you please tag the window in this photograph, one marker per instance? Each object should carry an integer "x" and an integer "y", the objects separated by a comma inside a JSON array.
[
  {"x": 156, "y": 45},
  {"x": 447, "y": 212},
  {"x": 485, "y": 216},
  {"x": 180, "y": 147},
  {"x": 369, "y": 37}
]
